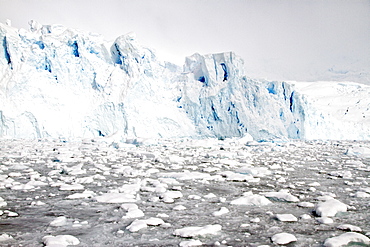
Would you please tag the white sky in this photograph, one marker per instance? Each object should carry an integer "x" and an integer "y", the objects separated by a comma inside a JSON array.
[{"x": 291, "y": 39}]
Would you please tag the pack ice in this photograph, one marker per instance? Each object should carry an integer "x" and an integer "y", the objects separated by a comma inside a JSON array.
[{"x": 58, "y": 82}]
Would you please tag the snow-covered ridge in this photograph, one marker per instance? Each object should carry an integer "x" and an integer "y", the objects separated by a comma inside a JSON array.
[{"x": 57, "y": 82}]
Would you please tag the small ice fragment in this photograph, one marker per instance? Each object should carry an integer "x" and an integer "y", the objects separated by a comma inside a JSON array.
[
  {"x": 190, "y": 243},
  {"x": 255, "y": 220},
  {"x": 137, "y": 225},
  {"x": 306, "y": 204},
  {"x": 282, "y": 195},
  {"x": 116, "y": 198},
  {"x": 60, "y": 240},
  {"x": 60, "y": 221},
  {"x": 305, "y": 217},
  {"x": 325, "y": 220},
  {"x": 314, "y": 184},
  {"x": 209, "y": 196},
  {"x": 222, "y": 211},
  {"x": 283, "y": 238},
  {"x": 11, "y": 214},
  {"x": 286, "y": 217},
  {"x": 250, "y": 199},
  {"x": 347, "y": 238},
  {"x": 348, "y": 227},
  {"x": 5, "y": 237},
  {"x": 70, "y": 187},
  {"x": 134, "y": 213},
  {"x": 194, "y": 197},
  {"x": 192, "y": 231},
  {"x": 179, "y": 208},
  {"x": 330, "y": 208}
]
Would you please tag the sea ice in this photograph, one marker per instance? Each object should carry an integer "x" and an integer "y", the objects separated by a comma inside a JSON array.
[
  {"x": 116, "y": 198},
  {"x": 282, "y": 195},
  {"x": 60, "y": 241},
  {"x": 283, "y": 238},
  {"x": 286, "y": 217},
  {"x": 192, "y": 231},
  {"x": 330, "y": 208},
  {"x": 249, "y": 198},
  {"x": 347, "y": 239}
]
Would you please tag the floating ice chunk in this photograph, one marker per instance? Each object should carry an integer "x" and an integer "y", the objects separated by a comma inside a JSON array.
[
  {"x": 85, "y": 180},
  {"x": 283, "y": 238},
  {"x": 190, "y": 243},
  {"x": 209, "y": 196},
  {"x": 137, "y": 225},
  {"x": 133, "y": 213},
  {"x": 330, "y": 208},
  {"x": 194, "y": 197},
  {"x": 249, "y": 198},
  {"x": 60, "y": 221},
  {"x": 341, "y": 174},
  {"x": 222, "y": 211},
  {"x": 70, "y": 187},
  {"x": 185, "y": 175},
  {"x": 348, "y": 227},
  {"x": 305, "y": 217},
  {"x": 22, "y": 187},
  {"x": 306, "y": 204},
  {"x": 3, "y": 203},
  {"x": 170, "y": 195},
  {"x": 347, "y": 238},
  {"x": 115, "y": 198},
  {"x": 232, "y": 176},
  {"x": 255, "y": 171},
  {"x": 325, "y": 220},
  {"x": 359, "y": 151},
  {"x": 15, "y": 174},
  {"x": 286, "y": 217},
  {"x": 179, "y": 208},
  {"x": 129, "y": 206},
  {"x": 282, "y": 195},
  {"x": 188, "y": 232},
  {"x": 314, "y": 184},
  {"x": 60, "y": 240},
  {"x": 83, "y": 195},
  {"x": 11, "y": 214},
  {"x": 362, "y": 194},
  {"x": 5, "y": 237}
]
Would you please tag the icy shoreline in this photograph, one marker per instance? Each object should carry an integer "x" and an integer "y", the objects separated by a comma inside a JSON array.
[{"x": 217, "y": 193}]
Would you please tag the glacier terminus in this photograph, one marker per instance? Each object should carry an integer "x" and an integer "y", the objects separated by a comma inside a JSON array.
[{"x": 58, "y": 82}]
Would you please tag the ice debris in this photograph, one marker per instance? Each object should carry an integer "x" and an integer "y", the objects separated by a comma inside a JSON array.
[
  {"x": 349, "y": 238},
  {"x": 249, "y": 198},
  {"x": 330, "y": 208},
  {"x": 60, "y": 240},
  {"x": 283, "y": 238},
  {"x": 192, "y": 231}
]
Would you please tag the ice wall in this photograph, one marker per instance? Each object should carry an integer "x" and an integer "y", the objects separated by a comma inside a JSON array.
[{"x": 57, "y": 82}]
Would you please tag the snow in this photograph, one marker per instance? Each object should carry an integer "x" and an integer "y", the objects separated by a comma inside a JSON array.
[{"x": 66, "y": 84}]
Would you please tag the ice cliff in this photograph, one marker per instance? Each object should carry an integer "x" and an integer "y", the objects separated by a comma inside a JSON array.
[{"x": 57, "y": 82}]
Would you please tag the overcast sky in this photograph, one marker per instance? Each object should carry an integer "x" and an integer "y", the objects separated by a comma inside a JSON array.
[{"x": 296, "y": 39}]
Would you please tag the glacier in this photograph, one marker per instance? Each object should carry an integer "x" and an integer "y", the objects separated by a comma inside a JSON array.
[{"x": 62, "y": 83}]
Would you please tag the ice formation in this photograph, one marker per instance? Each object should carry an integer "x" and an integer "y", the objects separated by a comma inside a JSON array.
[{"x": 57, "y": 82}]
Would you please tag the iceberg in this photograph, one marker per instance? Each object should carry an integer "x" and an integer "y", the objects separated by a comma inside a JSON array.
[{"x": 62, "y": 83}]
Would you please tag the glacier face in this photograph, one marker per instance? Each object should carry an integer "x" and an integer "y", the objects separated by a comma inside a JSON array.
[{"x": 57, "y": 82}]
